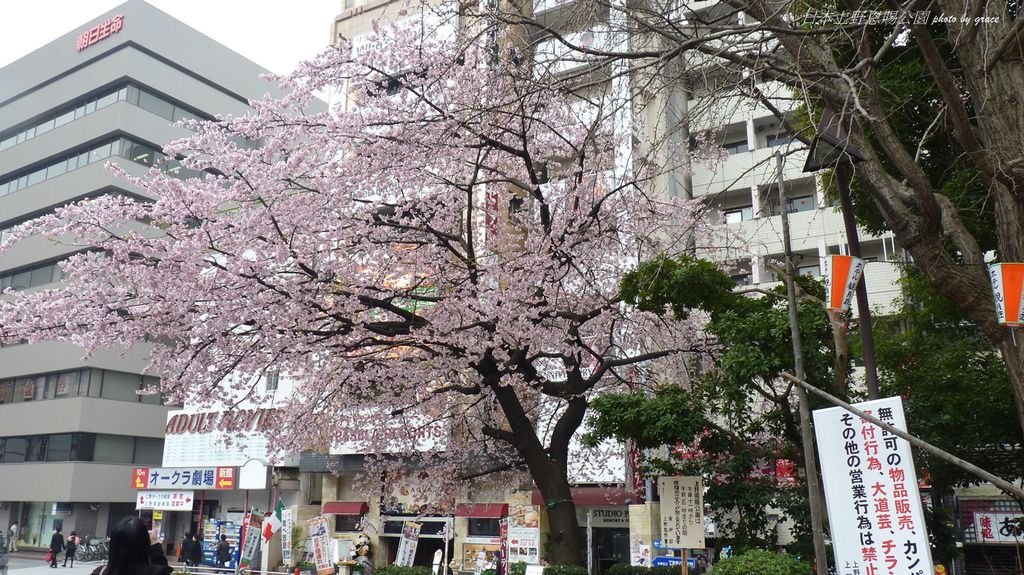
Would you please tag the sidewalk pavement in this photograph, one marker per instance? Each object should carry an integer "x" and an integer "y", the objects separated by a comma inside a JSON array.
[{"x": 33, "y": 563}]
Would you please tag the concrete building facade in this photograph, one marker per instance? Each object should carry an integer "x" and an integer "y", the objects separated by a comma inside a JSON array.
[{"x": 71, "y": 430}]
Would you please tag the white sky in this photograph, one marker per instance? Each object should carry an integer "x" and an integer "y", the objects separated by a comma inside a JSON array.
[{"x": 275, "y": 34}]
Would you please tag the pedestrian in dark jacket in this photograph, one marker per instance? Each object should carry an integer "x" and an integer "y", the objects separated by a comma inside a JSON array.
[
  {"x": 185, "y": 555},
  {"x": 70, "y": 548},
  {"x": 56, "y": 546},
  {"x": 197, "y": 551},
  {"x": 223, "y": 552},
  {"x": 134, "y": 551}
]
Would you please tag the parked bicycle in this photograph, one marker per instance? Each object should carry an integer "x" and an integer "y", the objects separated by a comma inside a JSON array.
[{"x": 93, "y": 549}]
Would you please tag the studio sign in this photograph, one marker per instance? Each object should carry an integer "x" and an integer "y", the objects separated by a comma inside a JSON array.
[{"x": 240, "y": 420}]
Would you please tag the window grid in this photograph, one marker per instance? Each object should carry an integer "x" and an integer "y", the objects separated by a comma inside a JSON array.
[
  {"x": 126, "y": 93},
  {"x": 121, "y": 147}
]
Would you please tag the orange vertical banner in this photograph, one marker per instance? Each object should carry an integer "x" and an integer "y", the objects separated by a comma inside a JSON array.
[
  {"x": 841, "y": 276},
  {"x": 1008, "y": 291}
]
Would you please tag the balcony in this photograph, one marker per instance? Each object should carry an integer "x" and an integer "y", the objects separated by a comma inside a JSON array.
[{"x": 747, "y": 170}]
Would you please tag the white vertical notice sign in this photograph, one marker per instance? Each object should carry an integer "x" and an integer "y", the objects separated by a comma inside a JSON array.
[
  {"x": 874, "y": 507},
  {"x": 682, "y": 512}
]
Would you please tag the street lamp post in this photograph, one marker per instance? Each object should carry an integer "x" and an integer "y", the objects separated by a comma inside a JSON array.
[{"x": 831, "y": 149}]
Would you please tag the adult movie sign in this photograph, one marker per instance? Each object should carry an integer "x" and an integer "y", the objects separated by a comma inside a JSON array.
[
  {"x": 874, "y": 507},
  {"x": 682, "y": 512},
  {"x": 165, "y": 500},
  {"x": 320, "y": 535},
  {"x": 187, "y": 477}
]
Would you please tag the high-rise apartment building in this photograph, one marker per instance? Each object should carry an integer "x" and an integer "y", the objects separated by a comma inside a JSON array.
[{"x": 72, "y": 429}]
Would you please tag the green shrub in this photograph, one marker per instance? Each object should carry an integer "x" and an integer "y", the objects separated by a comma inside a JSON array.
[
  {"x": 565, "y": 570},
  {"x": 665, "y": 570},
  {"x": 626, "y": 569},
  {"x": 517, "y": 568},
  {"x": 397, "y": 570},
  {"x": 758, "y": 562}
]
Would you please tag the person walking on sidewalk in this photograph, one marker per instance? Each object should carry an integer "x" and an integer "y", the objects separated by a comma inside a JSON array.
[
  {"x": 70, "y": 548},
  {"x": 12, "y": 544},
  {"x": 196, "y": 557},
  {"x": 185, "y": 552},
  {"x": 223, "y": 552},
  {"x": 56, "y": 546}
]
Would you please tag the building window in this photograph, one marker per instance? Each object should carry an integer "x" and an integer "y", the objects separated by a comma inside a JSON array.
[
  {"x": 347, "y": 522},
  {"x": 736, "y": 215},
  {"x": 775, "y": 140},
  {"x": 272, "y": 380},
  {"x": 484, "y": 527},
  {"x": 737, "y": 147},
  {"x": 78, "y": 383},
  {"x": 794, "y": 204},
  {"x": 31, "y": 277},
  {"x": 81, "y": 108},
  {"x": 744, "y": 279},
  {"x": 811, "y": 270}
]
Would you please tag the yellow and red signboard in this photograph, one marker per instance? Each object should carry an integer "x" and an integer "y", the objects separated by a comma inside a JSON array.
[
  {"x": 195, "y": 478},
  {"x": 1008, "y": 290},
  {"x": 841, "y": 276}
]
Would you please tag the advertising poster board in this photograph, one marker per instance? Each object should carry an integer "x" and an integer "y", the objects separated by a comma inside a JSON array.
[
  {"x": 320, "y": 536},
  {"x": 874, "y": 507},
  {"x": 524, "y": 534}
]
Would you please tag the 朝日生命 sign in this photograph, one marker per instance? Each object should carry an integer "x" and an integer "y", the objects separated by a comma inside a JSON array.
[
  {"x": 98, "y": 32},
  {"x": 874, "y": 507},
  {"x": 183, "y": 478},
  {"x": 165, "y": 500},
  {"x": 682, "y": 512}
]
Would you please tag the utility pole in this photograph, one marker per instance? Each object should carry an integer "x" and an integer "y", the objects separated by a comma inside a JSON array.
[
  {"x": 806, "y": 437},
  {"x": 844, "y": 173}
]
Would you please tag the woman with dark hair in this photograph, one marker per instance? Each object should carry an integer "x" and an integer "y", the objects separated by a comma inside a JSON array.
[{"x": 134, "y": 551}]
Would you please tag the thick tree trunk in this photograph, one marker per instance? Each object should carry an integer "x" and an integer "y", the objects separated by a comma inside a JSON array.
[
  {"x": 564, "y": 529},
  {"x": 548, "y": 467}
]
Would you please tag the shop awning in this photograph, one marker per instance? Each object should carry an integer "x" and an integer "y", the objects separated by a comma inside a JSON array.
[
  {"x": 346, "y": 507},
  {"x": 594, "y": 496},
  {"x": 482, "y": 510}
]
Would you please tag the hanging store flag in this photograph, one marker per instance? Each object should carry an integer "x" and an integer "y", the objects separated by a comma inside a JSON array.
[
  {"x": 841, "y": 276},
  {"x": 286, "y": 536},
  {"x": 251, "y": 536},
  {"x": 1008, "y": 290},
  {"x": 874, "y": 507},
  {"x": 407, "y": 546}
]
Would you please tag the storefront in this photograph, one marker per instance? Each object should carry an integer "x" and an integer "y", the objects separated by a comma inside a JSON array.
[
  {"x": 432, "y": 537},
  {"x": 989, "y": 536},
  {"x": 481, "y": 548},
  {"x": 603, "y": 516}
]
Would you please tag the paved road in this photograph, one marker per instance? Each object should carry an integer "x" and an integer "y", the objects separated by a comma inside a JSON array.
[{"x": 31, "y": 566}]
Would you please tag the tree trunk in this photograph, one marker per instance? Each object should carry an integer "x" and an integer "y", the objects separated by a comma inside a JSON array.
[{"x": 564, "y": 529}]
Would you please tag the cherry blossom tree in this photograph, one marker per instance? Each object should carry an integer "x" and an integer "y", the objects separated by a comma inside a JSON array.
[{"x": 445, "y": 252}]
